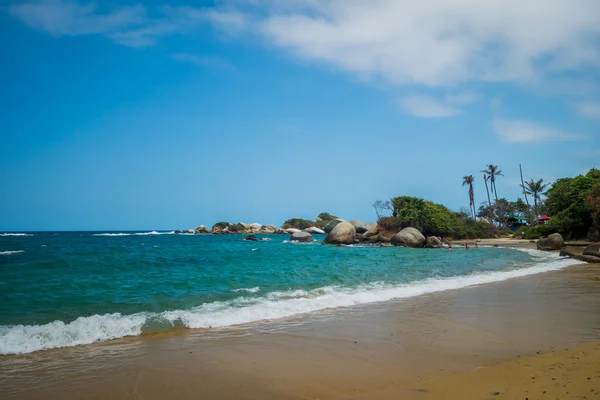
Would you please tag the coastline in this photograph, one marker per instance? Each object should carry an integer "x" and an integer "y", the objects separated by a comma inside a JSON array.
[{"x": 363, "y": 352}]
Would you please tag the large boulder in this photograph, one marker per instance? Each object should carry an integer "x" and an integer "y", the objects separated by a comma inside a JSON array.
[
  {"x": 342, "y": 233},
  {"x": 592, "y": 250},
  {"x": 433, "y": 242},
  {"x": 202, "y": 229},
  {"x": 255, "y": 227},
  {"x": 362, "y": 227},
  {"x": 314, "y": 230},
  {"x": 292, "y": 230},
  {"x": 301, "y": 237},
  {"x": 251, "y": 238},
  {"x": 332, "y": 224},
  {"x": 408, "y": 237},
  {"x": 552, "y": 242},
  {"x": 268, "y": 229},
  {"x": 593, "y": 235}
]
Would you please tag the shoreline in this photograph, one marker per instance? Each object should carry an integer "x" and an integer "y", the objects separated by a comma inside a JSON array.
[{"x": 366, "y": 351}]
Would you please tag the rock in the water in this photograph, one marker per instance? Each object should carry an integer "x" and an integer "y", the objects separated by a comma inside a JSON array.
[
  {"x": 342, "y": 233},
  {"x": 251, "y": 238},
  {"x": 385, "y": 244},
  {"x": 178, "y": 231},
  {"x": 202, "y": 229},
  {"x": 361, "y": 227},
  {"x": 408, "y": 237},
  {"x": 433, "y": 242},
  {"x": 191, "y": 231},
  {"x": 314, "y": 230},
  {"x": 292, "y": 230},
  {"x": 301, "y": 237},
  {"x": 593, "y": 234},
  {"x": 332, "y": 224},
  {"x": 592, "y": 250},
  {"x": 552, "y": 242}
]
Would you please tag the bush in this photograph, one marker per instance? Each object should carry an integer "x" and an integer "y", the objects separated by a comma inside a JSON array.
[
  {"x": 297, "y": 223},
  {"x": 389, "y": 223},
  {"x": 536, "y": 232},
  {"x": 323, "y": 219}
]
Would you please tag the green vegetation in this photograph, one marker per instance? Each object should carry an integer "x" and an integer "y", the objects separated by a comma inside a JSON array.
[
  {"x": 298, "y": 223},
  {"x": 435, "y": 220},
  {"x": 221, "y": 225},
  {"x": 503, "y": 209},
  {"x": 324, "y": 218},
  {"x": 573, "y": 204}
]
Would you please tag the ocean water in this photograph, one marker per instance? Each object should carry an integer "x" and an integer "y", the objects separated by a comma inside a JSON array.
[{"x": 70, "y": 288}]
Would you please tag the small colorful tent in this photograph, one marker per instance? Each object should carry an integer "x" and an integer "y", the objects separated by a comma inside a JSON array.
[{"x": 544, "y": 219}]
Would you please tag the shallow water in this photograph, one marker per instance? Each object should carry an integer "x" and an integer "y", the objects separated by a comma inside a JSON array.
[{"x": 68, "y": 288}]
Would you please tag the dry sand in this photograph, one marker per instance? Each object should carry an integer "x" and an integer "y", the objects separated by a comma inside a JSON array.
[{"x": 480, "y": 342}]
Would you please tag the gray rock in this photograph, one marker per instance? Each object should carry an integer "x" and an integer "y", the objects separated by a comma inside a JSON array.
[
  {"x": 362, "y": 227},
  {"x": 292, "y": 230},
  {"x": 314, "y": 230},
  {"x": 592, "y": 250},
  {"x": 433, "y": 242},
  {"x": 342, "y": 233},
  {"x": 251, "y": 238},
  {"x": 202, "y": 229},
  {"x": 301, "y": 237},
  {"x": 593, "y": 235},
  {"x": 408, "y": 237},
  {"x": 191, "y": 231},
  {"x": 332, "y": 224},
  {"x": 552, "y": 242}
]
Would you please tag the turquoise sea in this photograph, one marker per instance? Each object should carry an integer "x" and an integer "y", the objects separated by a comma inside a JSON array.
[{"x": 60, "y": 289}]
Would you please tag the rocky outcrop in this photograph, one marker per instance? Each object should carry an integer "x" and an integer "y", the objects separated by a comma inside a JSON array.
[
  {"x": 268, "y": 229},
  {"x": 552, "y": 242},
  {"x": 342, "y": 233},
  {"x": 362, "y": 227},
  {"x": 301, "y": 237},
  {"x": 202, "y": 229},
  {"x": 292, "y": 230},
  {"x": 582, "y": 257},
  {"x": 592, "y": 250},
  {"x": 314, "y": 230},
  {"x": 251, "y": 238},
  {"x": 324, "y": 218},
  {"x": 191, "y": 231},
  {"x": 433, "y": 242},
  {"x": 408, "y": 237},
  {"x": 332, "y": 224},
  {"x": 593, "y": 235}
]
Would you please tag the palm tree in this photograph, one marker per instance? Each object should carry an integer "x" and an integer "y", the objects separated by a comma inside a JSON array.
[
  {"x": 535, "y": 189},
  {"x": 468, "y": 180},
  {"x": 493, "y": 172},
  {"x": 485, "y": 180}
]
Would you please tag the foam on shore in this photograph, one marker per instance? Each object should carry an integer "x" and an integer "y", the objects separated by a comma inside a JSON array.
[
  {"x": 135, "y": 234},
  {"x": 23, "y": 339}
]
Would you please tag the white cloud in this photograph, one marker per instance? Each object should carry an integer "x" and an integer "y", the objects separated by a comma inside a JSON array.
[
  {"x": 429, "y": 42},
  {"x": 520, "y": 131},
  {"x": 441, "y": 42},
  {"x": 60, "y": 18},
  {"x": 589, "y": 109},
  {"x": 427, "y": 107},
  {"x": 204, "y": 61}
]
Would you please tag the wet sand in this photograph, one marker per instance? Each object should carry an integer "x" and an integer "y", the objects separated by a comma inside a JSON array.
[{"x": 426, "y": 347}]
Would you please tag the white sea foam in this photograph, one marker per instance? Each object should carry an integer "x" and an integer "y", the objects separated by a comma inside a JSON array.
[
  {"x": 16, "y": 234},
  {"x": 7, "y": 253},
  {"x": 135, "y": 234},
  {"x": 24, "y": 339},
  {"x": 21, "y": 339},
  {"x": 249, "y": 290}
]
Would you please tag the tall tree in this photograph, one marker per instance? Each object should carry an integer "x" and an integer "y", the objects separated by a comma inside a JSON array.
[
  {"x": 535, "y": 189},
  {"x": 491, "y": 214},
  {"x": 492, "y": 171},
  {"x": 468, "y": 180}
]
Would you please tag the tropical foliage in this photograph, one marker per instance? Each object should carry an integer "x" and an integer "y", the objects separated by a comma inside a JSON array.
[
  {"x": 468, "y": 181},
  {"x": 535, "y": 189}
]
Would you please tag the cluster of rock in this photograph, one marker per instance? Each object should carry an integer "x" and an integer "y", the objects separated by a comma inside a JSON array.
[
  {"x": 227, "y": 227},
  {"x": 591, "y": 253}
]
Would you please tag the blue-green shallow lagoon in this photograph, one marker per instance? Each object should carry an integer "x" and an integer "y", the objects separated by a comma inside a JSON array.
[{"x": 68, "y": 288}]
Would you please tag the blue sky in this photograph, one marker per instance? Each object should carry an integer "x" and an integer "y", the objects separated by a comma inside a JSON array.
[{"x": 143, "y": 115}]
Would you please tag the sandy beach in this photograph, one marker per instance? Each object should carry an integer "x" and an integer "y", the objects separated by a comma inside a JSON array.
[{"x": 502, "y": 340}]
